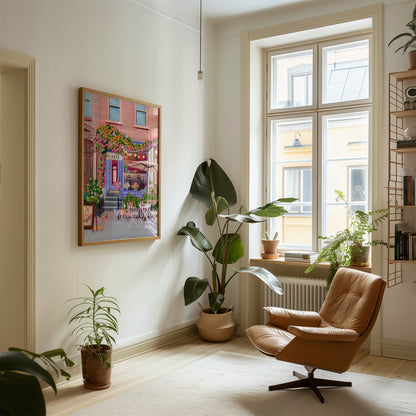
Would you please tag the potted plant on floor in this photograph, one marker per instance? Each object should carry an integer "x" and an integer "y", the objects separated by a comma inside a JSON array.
[
  {"x": 351, "y": 246},
  {"x": 410, "y": 40},
  {"x": 270, "y": 246},
  {"x": 95, "y": 322},
  {"x": 20, "y": 390},
  {"x": 212, "y": 187}
]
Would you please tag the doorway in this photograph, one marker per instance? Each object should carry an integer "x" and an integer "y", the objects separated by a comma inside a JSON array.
[{"x": 16, "y": 201}]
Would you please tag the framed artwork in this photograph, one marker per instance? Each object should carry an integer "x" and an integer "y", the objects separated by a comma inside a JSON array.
[{"x": 118, "y": 169}]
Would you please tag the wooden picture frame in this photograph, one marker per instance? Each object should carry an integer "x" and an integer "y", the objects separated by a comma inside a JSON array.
[{"x": 118, "y": 169}]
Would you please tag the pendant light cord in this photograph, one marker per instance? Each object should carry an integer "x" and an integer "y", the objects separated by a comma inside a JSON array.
[{"x": 200, "y": 35}]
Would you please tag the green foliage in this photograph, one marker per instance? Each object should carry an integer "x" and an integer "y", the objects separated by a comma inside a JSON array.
[
  {"x": 212, "y": 187},
  {"x": 94, "y": 191},
  {"x": 268, "y": 236},
  {"x": 21, "y": 393},
  {"x": 411, "y": 37},
  {"x": 341, "y": 249},
  {"x": 136, "y": 200},
  {"x": 95, "y": 321}
]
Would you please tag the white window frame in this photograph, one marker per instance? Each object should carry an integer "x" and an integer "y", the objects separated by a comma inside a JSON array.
[
  {"x": 317, "y": 110},
  {"x": 352, "y": 38}
]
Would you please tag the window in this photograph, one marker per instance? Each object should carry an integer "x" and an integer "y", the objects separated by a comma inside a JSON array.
[
  {"x": 318, "y": 135},
  {"x": 140, "y": 115},
  {"x": 87, "y": 104},
  {"x": 114, "y": 109},
  {"x": 297, "y": 182}
]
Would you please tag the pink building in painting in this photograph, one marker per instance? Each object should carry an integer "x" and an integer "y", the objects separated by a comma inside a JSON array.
[{"x": 127, "y": 163}]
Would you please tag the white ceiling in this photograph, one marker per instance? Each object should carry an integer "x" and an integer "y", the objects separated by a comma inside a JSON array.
[{"x": 187, "y": 11}]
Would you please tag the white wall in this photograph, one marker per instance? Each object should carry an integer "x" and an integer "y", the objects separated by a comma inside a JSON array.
[
  {"x": 120, "y": 47},
  {"x": 399, "y": 302}
]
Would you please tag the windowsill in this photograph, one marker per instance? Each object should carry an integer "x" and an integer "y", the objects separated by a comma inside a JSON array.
[{"x": 280, "y": 267}]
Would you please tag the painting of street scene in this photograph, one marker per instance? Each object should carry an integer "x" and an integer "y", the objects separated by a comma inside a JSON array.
[{"x": 118, "y": 169}]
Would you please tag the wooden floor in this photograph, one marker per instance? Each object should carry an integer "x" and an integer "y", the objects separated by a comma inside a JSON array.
[{"x": 148, "y": 366}]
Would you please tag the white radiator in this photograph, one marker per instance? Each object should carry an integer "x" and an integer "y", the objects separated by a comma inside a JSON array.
[{"x": 303, "y": 294}]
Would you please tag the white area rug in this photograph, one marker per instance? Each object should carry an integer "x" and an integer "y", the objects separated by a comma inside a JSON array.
[{"x": 228, "y": 384}]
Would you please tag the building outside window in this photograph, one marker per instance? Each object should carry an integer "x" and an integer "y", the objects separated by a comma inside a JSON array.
[{"x": 318, "y": 118}]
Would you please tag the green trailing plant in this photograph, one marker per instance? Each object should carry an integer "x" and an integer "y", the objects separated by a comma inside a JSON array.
[
  {"x": 21, "y": 392},
  {"x": 349, "y": 245},
  {"x": 267, "y": 235},
  {"x": 212, "y": 187},
  {"x": 409, "y": 37},
  {"x": 95, "y": 321}
]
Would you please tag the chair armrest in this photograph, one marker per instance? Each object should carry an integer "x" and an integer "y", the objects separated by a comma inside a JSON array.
[
  {"x": 282, "y": 317},
  {"x": 323, "y": 333}
]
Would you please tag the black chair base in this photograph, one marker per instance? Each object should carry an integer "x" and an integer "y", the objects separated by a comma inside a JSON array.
[{"x": 311, "y": 382}]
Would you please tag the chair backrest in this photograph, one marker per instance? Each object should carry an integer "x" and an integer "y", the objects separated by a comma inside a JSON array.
[{"x": 353, "y": 300}]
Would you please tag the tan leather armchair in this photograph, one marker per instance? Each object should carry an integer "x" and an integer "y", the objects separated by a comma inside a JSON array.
[{"x": 327, "y": 340}]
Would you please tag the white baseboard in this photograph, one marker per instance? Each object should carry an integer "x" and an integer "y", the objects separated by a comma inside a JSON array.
[
  {"x": 405, "y": 350},
  {"x": 153, "y": 340}
]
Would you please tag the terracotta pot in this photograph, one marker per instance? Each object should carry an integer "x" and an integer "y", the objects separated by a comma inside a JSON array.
[
  {"x": 412, "y": 59},
  {"x": 270, "y": 249},
  {"x": 96, "y": 375},
  {"x": 362, "y": 258},
  {"x": 216, "y": 327}
]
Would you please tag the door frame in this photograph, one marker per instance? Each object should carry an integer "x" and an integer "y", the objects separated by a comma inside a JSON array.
[{"x": 14, "y": 60}]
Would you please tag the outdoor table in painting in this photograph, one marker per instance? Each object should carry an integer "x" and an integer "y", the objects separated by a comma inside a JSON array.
[{"x": 119, "y": 181}]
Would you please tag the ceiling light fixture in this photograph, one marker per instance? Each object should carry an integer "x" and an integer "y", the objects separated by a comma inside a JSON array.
[{"x": 200, "y": 73}]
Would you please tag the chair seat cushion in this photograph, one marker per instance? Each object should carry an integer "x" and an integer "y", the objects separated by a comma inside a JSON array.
[{"x": 269, "y": 339}]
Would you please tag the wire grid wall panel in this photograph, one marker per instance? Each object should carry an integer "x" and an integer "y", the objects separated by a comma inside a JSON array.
[{"x": 397, "y": 114}]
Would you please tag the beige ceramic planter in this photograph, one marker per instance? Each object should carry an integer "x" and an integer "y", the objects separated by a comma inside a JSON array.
[
  {"x": 216, "y": 327},
  {"x": 270, "y": 249}
]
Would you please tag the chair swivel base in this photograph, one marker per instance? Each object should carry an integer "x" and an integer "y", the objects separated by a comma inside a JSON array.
[{"x": 311, "y": 382}]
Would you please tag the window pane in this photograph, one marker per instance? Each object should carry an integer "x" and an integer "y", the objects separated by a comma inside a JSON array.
[
  {"x": 87, "y": 104},
  {"x": 344, "y": 166},
  {"x": 114, "y": 110},
  {"x": 291, "y": 79},
  {"x": 358, "y": 184},
  {"x": 291, "y": 176},
  {"x": 291, "y": 187},
  {"x": 345, "y": 72}
]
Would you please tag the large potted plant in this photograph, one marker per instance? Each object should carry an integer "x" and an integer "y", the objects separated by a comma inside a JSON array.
[
  {"x": 20, "y": 390},
  {"x": 95, "y": 323},
  {"x": 212, "y": 187},
  {"x": 351, "y": 246},
  {"x": 410, "y": 40}
]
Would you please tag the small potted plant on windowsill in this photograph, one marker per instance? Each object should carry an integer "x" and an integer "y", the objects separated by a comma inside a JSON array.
[
  {"x": 212, "y": 187},
  {"x": 270, "y": 246},
  {"x": 95, "y": 323},
  {"x": 351, "y": 246}
]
